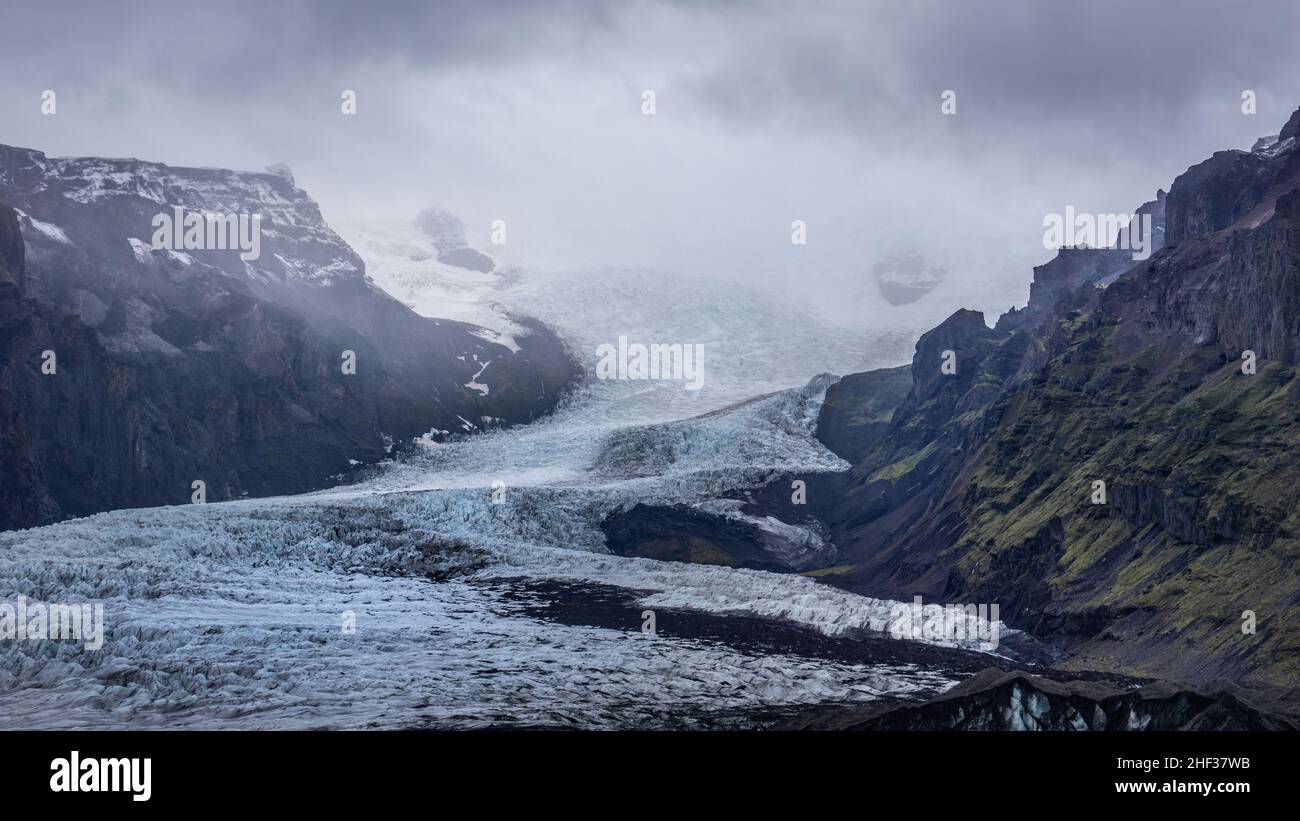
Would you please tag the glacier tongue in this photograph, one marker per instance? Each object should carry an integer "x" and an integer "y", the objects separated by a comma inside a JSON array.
[
  {"x": 235, "y": 614},
  {"x": 230, "y": 616}
]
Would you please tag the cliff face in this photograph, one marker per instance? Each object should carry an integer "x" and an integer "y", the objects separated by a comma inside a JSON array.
[
  {"x": 11, "y": 250},
  {"x": 201, "y": 364},
  {"x": 1128, "y": 374},
  {"x": 857, "y": 410},
  {"x": 48, "y": 472}
]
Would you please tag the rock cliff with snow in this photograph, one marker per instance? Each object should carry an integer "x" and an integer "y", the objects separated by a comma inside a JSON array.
[{"x": 183, "y": 364}]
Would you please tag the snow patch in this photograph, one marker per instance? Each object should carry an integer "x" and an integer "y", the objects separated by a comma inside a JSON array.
[
  {"x": 45, "y": 229},
  {"x": 473, "y": 384}
]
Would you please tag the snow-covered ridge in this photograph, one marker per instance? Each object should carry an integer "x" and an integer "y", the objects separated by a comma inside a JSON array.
[
  {"x": 300, "y": 243},
  {"x": 1272, "y": 146},
  {"x": 88, "y": 179}
]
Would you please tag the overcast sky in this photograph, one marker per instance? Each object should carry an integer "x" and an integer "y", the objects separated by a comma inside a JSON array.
[{"x": 766, "y": 112}]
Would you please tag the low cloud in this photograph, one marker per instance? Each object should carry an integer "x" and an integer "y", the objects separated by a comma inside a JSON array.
[{"x": 766, "y": 113}]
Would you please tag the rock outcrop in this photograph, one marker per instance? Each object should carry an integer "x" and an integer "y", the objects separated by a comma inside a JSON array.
[
  {"x": 857, "y": 410},
  {"x": 11, "y": 250},
  {"x": 680, "y": 534},
  {"x": 1001, "y": 700},
  {"x": 448, "y": 235}
]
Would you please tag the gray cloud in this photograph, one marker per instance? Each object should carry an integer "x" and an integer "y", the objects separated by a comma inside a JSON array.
[{"x": 767, "y": 112}]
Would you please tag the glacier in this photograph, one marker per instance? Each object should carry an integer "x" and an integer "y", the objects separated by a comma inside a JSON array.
[{"x": 235, "y": 614}]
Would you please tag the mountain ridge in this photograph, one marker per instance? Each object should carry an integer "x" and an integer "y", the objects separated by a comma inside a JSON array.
[
  {"x": 982, "y": 487},
  {"x": 228, "y": 370}
]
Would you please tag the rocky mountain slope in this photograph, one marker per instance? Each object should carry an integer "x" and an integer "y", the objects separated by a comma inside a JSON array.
[
  {"x": 174, "y": 366},
  {"x": 985, "y": 485},
  {"x": 1099, "y": 463}
]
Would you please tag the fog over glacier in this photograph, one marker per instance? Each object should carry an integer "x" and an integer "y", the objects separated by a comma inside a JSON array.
[{"x": 765, "y": 114}]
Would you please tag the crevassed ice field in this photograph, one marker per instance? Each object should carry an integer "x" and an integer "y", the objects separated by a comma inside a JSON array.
[{"x": 229, "y": 615}]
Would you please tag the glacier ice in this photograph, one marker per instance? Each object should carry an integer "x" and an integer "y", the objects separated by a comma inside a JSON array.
[{"x": 231, "y": 614}]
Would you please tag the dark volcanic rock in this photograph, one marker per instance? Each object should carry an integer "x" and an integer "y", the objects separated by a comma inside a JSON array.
[
  {"x": 48, "y": 473},
  {"x": 466, "y": 257},
  {"x": 1214, "y": 194},
  {"x": 1013, "y": 700},
  {"x": 11, "y": 249},
  {"x": 680, "y": 534},
  {"x": 857, "y": 410},
  {"x": 1292, "y": 127}
]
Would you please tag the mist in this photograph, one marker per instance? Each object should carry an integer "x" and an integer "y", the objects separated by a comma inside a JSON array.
[{"x": 765, "y": 113}]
